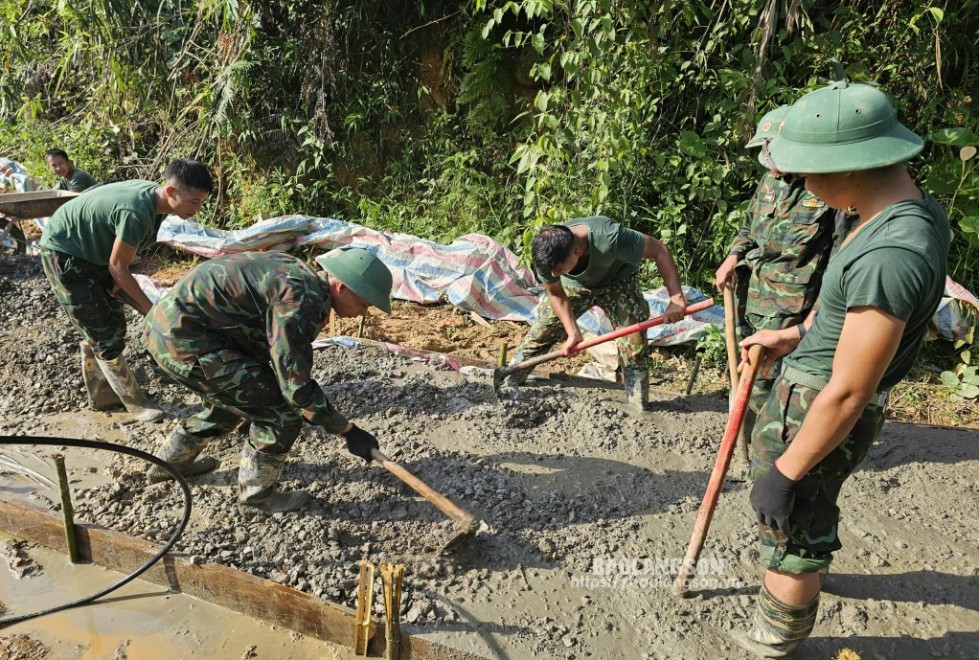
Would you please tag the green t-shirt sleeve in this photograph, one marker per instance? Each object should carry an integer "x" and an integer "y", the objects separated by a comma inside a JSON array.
[
  {"x": 629, "y": 245},
  {"x": 891, "y": 279},
  {"x": 131, "y": 229}
]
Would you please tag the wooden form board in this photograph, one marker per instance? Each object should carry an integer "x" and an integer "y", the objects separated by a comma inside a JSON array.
[{"x": 228, "y": 587}]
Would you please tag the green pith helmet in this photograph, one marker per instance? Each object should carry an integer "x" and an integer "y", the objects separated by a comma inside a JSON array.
[
  {"x": 768, "y": 126},
  {"x": 363, "y": 273},
  {"x": 842, "y": 128}
]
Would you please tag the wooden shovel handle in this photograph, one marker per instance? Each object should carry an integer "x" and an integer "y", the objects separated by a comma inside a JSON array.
[
  {"x": 730, "y": 337},
  {"x": 441, "y": 502}
]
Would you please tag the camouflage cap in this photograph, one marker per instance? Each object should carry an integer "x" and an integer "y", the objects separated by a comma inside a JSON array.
[
  {"x": 363, "y": 273},
  {"x": 768, "y": 126},
  {"x": 842, "y": 128}
]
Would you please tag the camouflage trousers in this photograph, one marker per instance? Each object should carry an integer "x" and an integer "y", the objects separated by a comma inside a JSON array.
[
  {"x": 812, "y": 536},
  {"x": 622, "y": 303},
  {"x": 82, "y": 289},
  {"x": 236, "y": 387}
]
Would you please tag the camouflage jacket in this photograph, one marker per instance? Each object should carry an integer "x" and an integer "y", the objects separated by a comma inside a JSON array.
[
  {"x": 786, "y": 240},
  {"x": 268, "y": 305}
]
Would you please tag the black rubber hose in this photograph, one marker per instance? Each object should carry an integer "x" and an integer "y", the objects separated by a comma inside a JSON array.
[{"x": 120, "y": 449}]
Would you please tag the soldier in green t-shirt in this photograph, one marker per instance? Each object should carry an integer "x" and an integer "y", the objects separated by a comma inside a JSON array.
[
  {"x": 878, "y": 293},
  {"x": 591, "y": 262},
  {"x": 86, "y": 250},
  {"x": 71, "y": 178}
]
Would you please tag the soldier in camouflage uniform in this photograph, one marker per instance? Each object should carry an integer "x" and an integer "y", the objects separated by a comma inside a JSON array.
[
  {"x": 779, "y": 254},
  {"x": 86, "y": 251},
  {"x": 593, "y": 262},
  {"x": 878, "y": 293},
  {"x": 238, "y": 330}
]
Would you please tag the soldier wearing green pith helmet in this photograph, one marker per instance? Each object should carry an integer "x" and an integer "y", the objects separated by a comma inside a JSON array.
[
  {"x": 776, "y": 260},
  {"x": 878, "y": 293},
  {"x": 238, "y": 330}
]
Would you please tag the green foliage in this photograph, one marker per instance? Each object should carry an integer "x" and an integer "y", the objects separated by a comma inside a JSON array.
[
  {"x": 447, "y": 117},
  {"x": 712, "y": 347},
  {"x": 963, "y": 381}
]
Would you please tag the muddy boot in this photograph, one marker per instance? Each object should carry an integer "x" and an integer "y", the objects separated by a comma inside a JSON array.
[
  {"x": 180, "y": 450},
  {"x": 124, "y": 384},
  {"x": 778, "y": 627},
  {"x": 100, "y": 394},
  {"x": 257, "y": 477},
  {"x": 636, "y": 387}
]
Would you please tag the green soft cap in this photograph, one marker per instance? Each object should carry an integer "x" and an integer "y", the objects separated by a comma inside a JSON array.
[
  {"x": 842, "y": 128},
  {"x": 768, "y": 126},
  {"x": 363, "y": 273}
]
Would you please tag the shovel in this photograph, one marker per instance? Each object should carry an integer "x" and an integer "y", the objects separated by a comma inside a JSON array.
[
  {"x": 502, "y": 372},
  {"x": 689, "y": 566},
  {"x": 466, "y": 523}
]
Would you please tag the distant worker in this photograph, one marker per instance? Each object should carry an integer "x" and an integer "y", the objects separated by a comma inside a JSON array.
[
  {"x": 879, "y": 292},
  {"x": 238, "y": 330},
  {"x": 592, "y": 262},
  {"x": 779, "y": 254},
  {"x": 86, "y": 250},
  {"x": 72, "y": 178}
]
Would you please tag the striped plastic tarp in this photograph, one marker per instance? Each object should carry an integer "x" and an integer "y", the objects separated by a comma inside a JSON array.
[{"x": 474, "y": 272}]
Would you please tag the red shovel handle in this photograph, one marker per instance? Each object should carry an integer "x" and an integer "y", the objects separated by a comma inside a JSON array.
[
  {"x": 601, "y": 339},
  {"x": 755, "y": 355}
]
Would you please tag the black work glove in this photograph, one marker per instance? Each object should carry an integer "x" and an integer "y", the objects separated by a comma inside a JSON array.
[
  {"x": 773, "y": 498},
  {"x": 360, "y": 442}
]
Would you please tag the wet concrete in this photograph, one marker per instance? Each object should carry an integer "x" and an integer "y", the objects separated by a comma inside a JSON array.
[
  {"x": 574, "y": 488},
  {"x": 141, "y": 621}
]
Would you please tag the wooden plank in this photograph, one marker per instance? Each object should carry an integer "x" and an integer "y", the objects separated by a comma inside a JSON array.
[{"x": 228, "y": 587}]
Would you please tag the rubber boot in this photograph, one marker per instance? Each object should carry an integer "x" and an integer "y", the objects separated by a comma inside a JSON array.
[
  {"x": 636, "y": 387},
  {"x": 124, "y": 384},
  {"x": 100, "y": 394},
  {"x": 779, "y": 628},
  {"x": 180, "y": 450},
  {"x": 257, "y": 477}
]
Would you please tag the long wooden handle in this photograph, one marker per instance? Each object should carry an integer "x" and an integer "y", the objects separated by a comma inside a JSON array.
[
  {"x": 441, "y": 502},
  {"x": 730, "y": 337},
  {"x": 601, "y": 339},
  {"x": 755, "y": 355}
]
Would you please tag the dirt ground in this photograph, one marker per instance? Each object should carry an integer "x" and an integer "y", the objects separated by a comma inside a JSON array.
[{"x": 588, "y": 506}]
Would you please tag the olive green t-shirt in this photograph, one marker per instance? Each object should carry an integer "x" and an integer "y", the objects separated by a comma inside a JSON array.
[
  {"x": 77, "y": 182},
  {"x": 896, "y": 263},
  {"x": 614, "y": 253},
  {"x": 87, "y": 226}
]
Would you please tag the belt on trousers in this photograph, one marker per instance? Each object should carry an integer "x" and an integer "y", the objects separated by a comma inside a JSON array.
[{"x": 800, "y": 377}]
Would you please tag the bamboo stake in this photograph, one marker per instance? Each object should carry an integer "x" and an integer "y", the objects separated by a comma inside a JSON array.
[
  {"x": 501, "y": 362},
  {"x": 66, "y": 508},
  {"x": 360, "y": 327},
  {"x": 392, "y": 574},
  {"x": 365, "y": 600}
]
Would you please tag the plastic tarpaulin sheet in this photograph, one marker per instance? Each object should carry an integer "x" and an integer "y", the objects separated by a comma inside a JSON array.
[
  {"x": 474, "y": 272},
  {"x": 13, "y": 175}
]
